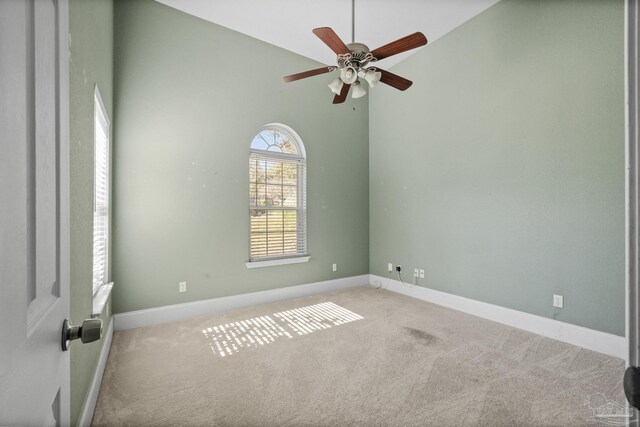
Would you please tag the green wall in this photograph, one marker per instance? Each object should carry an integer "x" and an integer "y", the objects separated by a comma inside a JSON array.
[
  {"x": 501, "y": 171},
  {"x": 189, "y": 97},
  {"x": 91, "y": 62}
]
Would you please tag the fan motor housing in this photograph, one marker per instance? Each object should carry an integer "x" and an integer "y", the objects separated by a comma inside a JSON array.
[
  {"x": 358, "y": 48},
  {"x": 359, "y": 56}
]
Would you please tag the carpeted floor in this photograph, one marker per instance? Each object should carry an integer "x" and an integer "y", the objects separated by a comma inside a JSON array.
[{"x": 370, "y": 358}]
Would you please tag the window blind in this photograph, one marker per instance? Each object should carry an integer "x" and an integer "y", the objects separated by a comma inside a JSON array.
[
  {"x": 101, "y": 195},
  {"x": 277, "y": 206}
]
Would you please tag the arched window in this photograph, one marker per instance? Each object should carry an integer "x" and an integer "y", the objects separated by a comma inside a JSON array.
[{"x": 277, "y": 195}]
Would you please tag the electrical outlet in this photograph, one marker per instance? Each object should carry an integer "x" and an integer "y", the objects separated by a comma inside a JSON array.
[
  {"x": 390, "y": 267},
  {"x": 558, "y": 301},
  {"x": 335, "y": 267},
  {"x": 416, "y": 273},
  {"x": 182, "y": 287},
  {"x": 422, "y": 273},
  {"x": 399, "y": 268}
]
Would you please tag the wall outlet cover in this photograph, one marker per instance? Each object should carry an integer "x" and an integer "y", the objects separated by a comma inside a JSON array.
[
  {"x": 558, "y": 301},
  {"x": 182, "y": 287}
]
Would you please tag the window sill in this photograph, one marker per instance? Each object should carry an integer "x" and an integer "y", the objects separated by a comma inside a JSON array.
[
  {"x": 100, "y": 299},
  {"x": 282, "y": 261}
]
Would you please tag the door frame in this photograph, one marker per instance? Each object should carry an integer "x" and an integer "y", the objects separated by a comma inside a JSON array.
[
  {"x": 632, "y": 188},
  {"x": 64, "y": 200},
  {"x": 632, "y": 220}
]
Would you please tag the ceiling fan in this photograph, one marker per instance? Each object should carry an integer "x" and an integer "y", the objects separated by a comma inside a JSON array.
[{"x": 353, "y": 60}]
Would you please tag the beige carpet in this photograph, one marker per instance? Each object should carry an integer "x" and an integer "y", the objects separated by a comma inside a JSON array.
[{"x": 370, "y": 358}]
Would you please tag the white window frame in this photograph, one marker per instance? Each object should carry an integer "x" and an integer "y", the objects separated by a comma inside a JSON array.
[
  {"x": 300, "y": 257},
  {"x": 101, "y": 288}
]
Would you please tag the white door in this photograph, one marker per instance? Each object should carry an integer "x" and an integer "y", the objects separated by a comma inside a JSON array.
[{"x": 34, "y": 217}]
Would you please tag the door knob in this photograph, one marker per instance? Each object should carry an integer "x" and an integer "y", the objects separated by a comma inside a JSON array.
[{"x": 89, "y": 331}]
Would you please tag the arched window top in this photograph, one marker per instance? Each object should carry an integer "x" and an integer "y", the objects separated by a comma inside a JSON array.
[{"x": 278, "y": 139}]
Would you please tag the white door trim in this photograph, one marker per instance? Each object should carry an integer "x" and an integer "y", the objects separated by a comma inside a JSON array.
[
  {"x": 632, "y": 195},
  {"x": 64, "y": 191},
  {"x": 632, "y": 188}
]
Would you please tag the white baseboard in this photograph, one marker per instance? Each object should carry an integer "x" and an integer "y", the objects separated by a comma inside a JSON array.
[
  {"x": 170, "y": 313},
  {"x": 602, "y": 342},
  {"x": 92, "y": 397},
  {"x": 591, "y": 339}
]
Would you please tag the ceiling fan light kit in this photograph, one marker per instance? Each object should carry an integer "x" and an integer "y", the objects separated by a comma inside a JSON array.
[
  {"x": 353, "y": 59},
  {"x": 372, "y": 77},
  {"x": 336, "y": 86},
  {"x": 358, "y": 91},
  {"x": 348, "y": 75}
]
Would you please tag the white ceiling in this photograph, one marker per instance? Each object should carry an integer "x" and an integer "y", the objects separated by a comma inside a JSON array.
[{"x": 288, "y": 23}]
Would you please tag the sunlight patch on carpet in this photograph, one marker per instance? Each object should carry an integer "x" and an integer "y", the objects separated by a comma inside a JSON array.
[{"x": 230, "y": 338}]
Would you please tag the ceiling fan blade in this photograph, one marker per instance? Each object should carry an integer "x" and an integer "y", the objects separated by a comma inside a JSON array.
[
  {"x": 394, "y": 80},
  {"x": 401, "y": 45},
  {"x": 339, "y": 99},
  {"x": 305, "y": 74},
  {"x": 331, "y": 39}
]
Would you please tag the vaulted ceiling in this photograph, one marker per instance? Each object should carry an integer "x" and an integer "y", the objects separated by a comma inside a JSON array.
[{"x": 288, "y": 23}]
